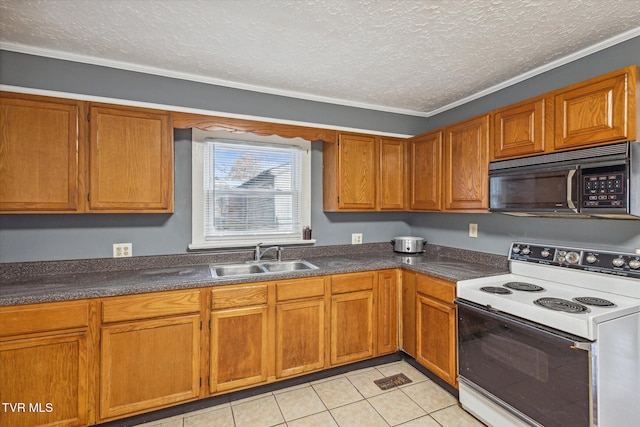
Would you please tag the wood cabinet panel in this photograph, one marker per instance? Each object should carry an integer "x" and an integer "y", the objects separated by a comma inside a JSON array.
[
  {"x": 300, "y": 337},
  {"x": 409, "y": 312},
  {"x": 47, "y": 317},
  {"x": 39, "y": 154},
  {"x": 49, "y": 375},
  {"x": 239, "y": 348},
  {"x": 149, "y": 364},
  {"x": 466, "y": 165},
  {"x": 131, "y": 160},
  {"x": 238, "y": 296},
  {"x": 351, "y": 327},
  {"x": 393, "y": 174},
  {"x": 133, "y": 307},
  {"x": 436, "y": 338},
  {"x": 425, "y": 169},
  {"x": 387, "y": 312},
  {"x": 301, "y": 288},
  {"x": 436, "y": 288},
  {"x": 598, "y": 110},
  {"x": 352, "y": 282},
  {"x": 523, "y": 129}
]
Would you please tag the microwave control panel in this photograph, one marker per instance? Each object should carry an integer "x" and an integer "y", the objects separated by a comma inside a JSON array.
[{"x": 604, "y": 189}]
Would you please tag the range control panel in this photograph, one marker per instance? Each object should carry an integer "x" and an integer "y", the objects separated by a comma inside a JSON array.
[{"x": 616, "y": 263}]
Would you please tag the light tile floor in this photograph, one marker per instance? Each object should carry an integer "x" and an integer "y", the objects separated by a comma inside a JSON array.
[{"x": 346, "y": 400}]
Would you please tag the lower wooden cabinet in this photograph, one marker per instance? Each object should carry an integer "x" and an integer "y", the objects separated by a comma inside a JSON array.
[
  {"x": 301, "y": 327},
  {"x": 149, "y": 364},
  {"x": 45, "y": 362},
  {"x": 436, "y": 327},
  {"x": 387, "y": 312},
  {"x": 351, "y": 317},
  {"x": 239, "y": 347},
  {"x": 150, "y": 352}
]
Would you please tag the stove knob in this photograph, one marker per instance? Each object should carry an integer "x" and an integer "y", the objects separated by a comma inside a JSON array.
[
  {"x": 572, "y": 257},
  {"x": 591, "y": 258},
  {"x": 516, "y": 249},
  {"x": 618, "y": 262},
  {"x": 634, "y": 264},
  {"x": 545, "y": 253},
  {"x": 526, "y": 251}
]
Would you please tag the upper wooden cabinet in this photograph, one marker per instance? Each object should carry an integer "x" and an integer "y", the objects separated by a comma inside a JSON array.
[
  {"x": 350, "y": 173},
  {"x": 54, "y": 160},
  {"x": 599, "y": 110},
  {"x": 392, "y": 182},
  {"x": 466, "y": 165},
  {"x": 425, "y": 172},
  {"x": 131, "y": 160},
  {"x": 364, "y": 173},
  {"x": 522, "y": 129},
  {"x": 40, "y": 165}
]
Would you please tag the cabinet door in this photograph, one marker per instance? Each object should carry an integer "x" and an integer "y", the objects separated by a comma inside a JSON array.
[
  {"x": 131, "y": 160},
  {"x": 357, "y": 172},
  {"x": 300, "y": 336},
  {"x": 436, "y": 337},
  {"x": 523, "y": 129},
  {"x": 39, "y": 157},
  {"x": 239, "y": 348},
  {"x": 149, "y": 364},
  {"x": 466, "y": 165},
  {"x": 393, "y": 174},
  {"x": 45, "y": 379},
  {"x": 351, "y": 327},
  {"x": 425, "y": 154},
  {"x": 387, "y": 312},
  {"x": 596, "y": 111}
]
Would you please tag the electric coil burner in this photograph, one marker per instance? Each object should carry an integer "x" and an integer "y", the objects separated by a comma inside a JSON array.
[
  {"x": 523, "y": 286},
  {"x": 554, "y": 343},
  {"x": 560, "y": 304}
]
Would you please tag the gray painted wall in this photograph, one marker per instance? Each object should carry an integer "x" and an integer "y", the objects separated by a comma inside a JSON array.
[{"x": 55, "y": 237}]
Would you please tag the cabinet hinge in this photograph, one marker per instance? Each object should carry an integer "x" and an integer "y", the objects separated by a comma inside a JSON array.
[
  {"x": 209, "y": 323},
  {"x": 338, "y": 199},
  {"x": 200, "y": 381},
  {"x": 88, "y": 117},
  {"x": 88, "y": 197},
  {"x": 201, "y": 325}
]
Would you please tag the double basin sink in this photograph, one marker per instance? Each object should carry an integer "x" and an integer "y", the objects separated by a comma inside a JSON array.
[{"x": 259, "y": 268}]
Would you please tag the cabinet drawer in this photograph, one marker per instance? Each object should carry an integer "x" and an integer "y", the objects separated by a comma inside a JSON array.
[
  {"x": 238, "y": 297},
  {"x": 351, "y": 282},
  {"x": 34, "y": 318},
  {"x": 437, "y": 288},
  {"x": 146, "y": 306},
  {"x": 295, "y": 289}
]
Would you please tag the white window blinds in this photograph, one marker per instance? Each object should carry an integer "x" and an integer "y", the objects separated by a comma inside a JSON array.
[{"x": 251, "y": 190}]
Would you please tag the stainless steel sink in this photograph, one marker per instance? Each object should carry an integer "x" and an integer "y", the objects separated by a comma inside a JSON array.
[
  {"x": 252, "y": 268},
  {"x": 296, "y": 265},
  {"x": 236, "y": 270}
]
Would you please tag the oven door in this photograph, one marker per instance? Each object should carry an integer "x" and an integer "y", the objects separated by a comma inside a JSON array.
[{"x": 523, "y": 368}]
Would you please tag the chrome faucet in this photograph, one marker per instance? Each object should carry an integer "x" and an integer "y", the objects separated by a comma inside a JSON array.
[{"x": 259, "y": 253}]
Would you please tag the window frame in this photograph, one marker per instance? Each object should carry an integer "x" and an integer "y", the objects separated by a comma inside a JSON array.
[{"x": 198, "y": 238}]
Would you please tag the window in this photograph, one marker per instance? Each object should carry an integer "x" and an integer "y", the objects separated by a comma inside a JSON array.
[{"x": 249, "y": 189}]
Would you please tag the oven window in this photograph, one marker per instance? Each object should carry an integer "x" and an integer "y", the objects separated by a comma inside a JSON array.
[{"x": 537, "y": 373}]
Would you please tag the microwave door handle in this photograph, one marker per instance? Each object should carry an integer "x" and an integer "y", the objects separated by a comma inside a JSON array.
[{"x": 570, "y": 202}]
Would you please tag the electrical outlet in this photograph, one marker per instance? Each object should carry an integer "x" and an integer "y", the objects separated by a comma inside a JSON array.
[
  {"x": 356, "y": 239},
  {"x": 473, "y": 230},
  {"x": 121, "y": 250}
]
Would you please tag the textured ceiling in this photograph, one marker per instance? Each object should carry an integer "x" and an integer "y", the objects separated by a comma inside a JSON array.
[{"x": 407, "y": 56}]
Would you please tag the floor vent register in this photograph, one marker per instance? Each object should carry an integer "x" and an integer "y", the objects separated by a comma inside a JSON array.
[{"x": 393, "y": 381}]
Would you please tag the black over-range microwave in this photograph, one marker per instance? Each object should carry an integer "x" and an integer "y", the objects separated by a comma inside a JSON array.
[{"x": 601, "y": 182}]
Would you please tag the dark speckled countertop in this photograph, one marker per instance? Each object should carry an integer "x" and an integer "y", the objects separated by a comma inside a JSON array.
[{"x": 26, "y": 283}]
